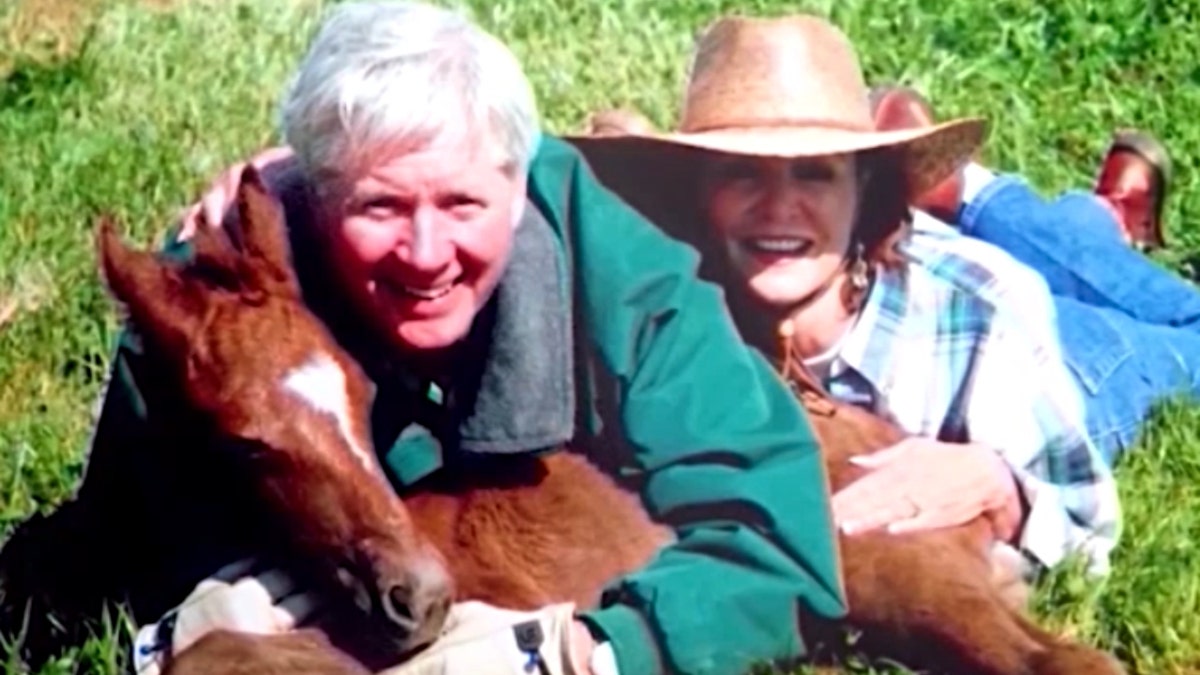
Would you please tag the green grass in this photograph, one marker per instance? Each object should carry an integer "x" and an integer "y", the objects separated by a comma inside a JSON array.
[{"x": 132, "y": 109}]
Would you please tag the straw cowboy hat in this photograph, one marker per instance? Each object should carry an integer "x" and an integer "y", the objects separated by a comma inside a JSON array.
[{"x": 780, "y": 87}]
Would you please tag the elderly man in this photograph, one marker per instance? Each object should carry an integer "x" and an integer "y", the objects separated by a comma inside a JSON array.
[{"x": 416, "y": 164}]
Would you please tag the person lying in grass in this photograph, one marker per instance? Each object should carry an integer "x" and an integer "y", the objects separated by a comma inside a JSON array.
[
  {"x": 800, "y": 207},
  {"x": 1128, "y": 327},
  {"x": 425, "y": 203},
  {"x": 1131, "y": 185}
]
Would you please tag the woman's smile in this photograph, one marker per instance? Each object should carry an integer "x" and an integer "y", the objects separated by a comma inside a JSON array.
[{"x": 774, "y": 246}]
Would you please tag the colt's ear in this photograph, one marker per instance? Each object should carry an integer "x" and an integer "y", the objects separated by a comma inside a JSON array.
[
  {"x": 153, "y": 293},
  {"x": 263, "y": 234},
  {"x": 212, "y": 250}
]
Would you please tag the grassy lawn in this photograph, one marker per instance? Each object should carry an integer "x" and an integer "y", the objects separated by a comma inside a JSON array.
[{"x": 131, "y": 107}]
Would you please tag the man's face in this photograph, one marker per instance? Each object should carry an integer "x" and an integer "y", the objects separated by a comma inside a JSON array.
[{"x": 421, "y": 239}]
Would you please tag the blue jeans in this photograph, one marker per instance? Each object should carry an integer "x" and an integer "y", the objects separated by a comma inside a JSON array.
[{"x": 1130, "y": 330}]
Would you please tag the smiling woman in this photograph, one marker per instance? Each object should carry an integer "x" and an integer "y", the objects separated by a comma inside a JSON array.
[
  {"x": 787, "y": 226},
  {"x": 774, "y": 213},
  {"x": 800, "y": 207}
]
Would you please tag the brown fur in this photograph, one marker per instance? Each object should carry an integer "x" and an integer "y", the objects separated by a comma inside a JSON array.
[
  {"x": 296, "y": 653},
  {"x": 508, "y": 538},
  {"x": 502, "y": 526}
]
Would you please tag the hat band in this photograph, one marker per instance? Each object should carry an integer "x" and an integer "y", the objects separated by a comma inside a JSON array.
[{"x": 774, "y": 123}]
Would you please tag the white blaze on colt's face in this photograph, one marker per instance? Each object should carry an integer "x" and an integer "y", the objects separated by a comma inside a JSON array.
[{"x": 321, "y": 383}]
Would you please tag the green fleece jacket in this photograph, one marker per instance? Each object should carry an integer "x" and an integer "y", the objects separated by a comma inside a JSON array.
[{"x": 601, "y": 333}]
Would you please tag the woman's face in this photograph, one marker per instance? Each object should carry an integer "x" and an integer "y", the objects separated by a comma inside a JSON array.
[
  {"x": 785, "y": 223},
  {"x": 421, "y": 239}
]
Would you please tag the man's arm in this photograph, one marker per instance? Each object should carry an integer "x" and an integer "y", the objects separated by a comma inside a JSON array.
[{"x": 731, "y": 463}]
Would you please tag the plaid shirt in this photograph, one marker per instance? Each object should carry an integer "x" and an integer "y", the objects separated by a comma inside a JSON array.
[{"x": 961, "y": 345}]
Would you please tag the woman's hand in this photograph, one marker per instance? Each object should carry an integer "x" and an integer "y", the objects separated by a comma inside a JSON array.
[
  {"x": 923, "y": 484},
  {"x": 218, "y": 198}
]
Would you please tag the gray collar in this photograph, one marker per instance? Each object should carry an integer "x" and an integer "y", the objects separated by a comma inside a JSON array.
[{"x": 525, "y": 396}]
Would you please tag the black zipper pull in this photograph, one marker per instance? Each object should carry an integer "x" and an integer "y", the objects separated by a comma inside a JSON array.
[{"x": 529, "y": 640}]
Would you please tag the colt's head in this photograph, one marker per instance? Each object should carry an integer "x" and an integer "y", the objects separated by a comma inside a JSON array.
[{"x": 289, "y": 405}]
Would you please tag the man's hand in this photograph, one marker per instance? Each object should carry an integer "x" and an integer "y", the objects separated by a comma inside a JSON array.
[
  {"x": 218, "y": 198},
  {"x": 232, "y": 599},
  {"x": 922, "y": 484},
  {"x": 480, "y": 639}
]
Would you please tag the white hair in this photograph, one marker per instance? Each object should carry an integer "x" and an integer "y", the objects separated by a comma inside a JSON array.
[{"x": 410, "y": 75}]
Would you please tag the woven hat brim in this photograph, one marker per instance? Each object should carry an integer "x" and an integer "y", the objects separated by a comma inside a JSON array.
[{"x": 931, "y": 154}]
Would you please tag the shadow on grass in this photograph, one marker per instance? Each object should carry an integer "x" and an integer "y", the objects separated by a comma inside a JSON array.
[{"x": 35, "y": 83}]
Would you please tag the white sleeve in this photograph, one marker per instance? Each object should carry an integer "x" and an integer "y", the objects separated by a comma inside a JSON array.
[{"x": 1024, "y": 403}]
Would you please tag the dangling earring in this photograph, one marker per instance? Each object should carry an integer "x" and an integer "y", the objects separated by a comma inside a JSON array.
[{"x": 859, "y": 269}]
